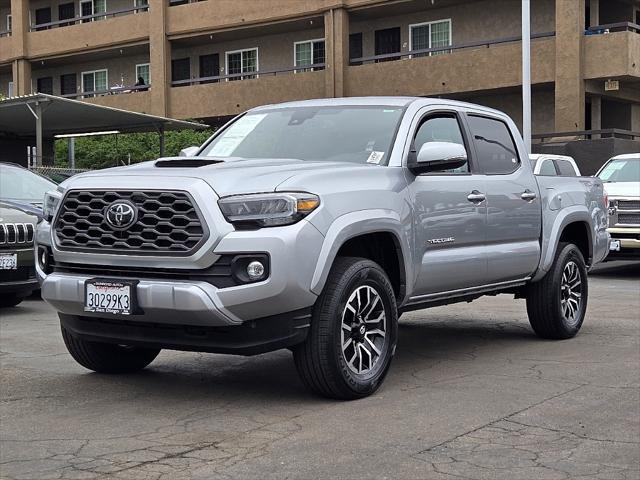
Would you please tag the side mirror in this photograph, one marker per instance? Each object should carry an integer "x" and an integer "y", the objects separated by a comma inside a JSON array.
[
  {"x": 189, "y": 151},
  {"x": 437, "y": 156}
]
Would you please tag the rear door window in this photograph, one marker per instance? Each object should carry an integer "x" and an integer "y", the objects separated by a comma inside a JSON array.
[
  {"x": 496, "y": 150},
  {"x": 548, "y": 168},
  {"x": 565, "y": 168}
]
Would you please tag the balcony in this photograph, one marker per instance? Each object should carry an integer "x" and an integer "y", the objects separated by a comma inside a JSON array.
[
  {"x": 614, "y": 54},
  {"x": 453, "y": 69},
  {"x": 103, "y": 30},
  {"x": 209, "y": 15},
  {"x": 222, "y": 97}
]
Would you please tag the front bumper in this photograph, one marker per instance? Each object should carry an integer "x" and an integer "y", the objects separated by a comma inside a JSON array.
[
  {"x": 629, "y": 238},
  {"x": 195, "y": 303},
  {"x": 22, "y": 280}
]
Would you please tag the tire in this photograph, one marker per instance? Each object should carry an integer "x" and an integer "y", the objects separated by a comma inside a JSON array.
[
  {"x": 8, "y": 300},
  {"x": 321, "y": 360},
  {"x": 107, "y": 357},
  {"x": 557, "y": 304}
]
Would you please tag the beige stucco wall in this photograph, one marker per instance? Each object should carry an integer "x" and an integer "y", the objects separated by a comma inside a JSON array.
[
  {"x": 472, "y": 22},
  {"x": 274, "y": 51},
  {"x": 118, "y": 68}
]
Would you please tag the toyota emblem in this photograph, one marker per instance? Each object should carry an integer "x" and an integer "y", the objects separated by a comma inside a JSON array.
[{"x": 121, "y": 215}]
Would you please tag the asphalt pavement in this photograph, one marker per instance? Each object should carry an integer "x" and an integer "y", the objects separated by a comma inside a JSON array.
[{"x": 471, "y": 394}]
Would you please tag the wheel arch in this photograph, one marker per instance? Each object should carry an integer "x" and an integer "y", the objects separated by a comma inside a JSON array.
[
  {"x": 369, "y": 234},
  {"x": 571, "y": 225}
]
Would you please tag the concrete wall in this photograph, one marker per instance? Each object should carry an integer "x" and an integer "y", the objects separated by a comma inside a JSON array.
[
  {"x": 118, "y": 68},
  {"x": 274, "y": 51}
]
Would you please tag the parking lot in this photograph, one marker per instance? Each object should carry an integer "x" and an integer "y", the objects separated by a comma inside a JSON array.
[{"x": 472, "y": 394}]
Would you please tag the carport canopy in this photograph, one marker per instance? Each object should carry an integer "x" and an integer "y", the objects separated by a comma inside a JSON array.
[{"x": 48, "y": 115}]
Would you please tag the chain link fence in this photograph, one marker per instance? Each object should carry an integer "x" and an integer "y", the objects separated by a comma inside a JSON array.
[{"x": 57, "y": 174}]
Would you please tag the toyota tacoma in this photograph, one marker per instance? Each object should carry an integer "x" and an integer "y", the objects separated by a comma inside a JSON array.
[{"x": 313, "y": 226}]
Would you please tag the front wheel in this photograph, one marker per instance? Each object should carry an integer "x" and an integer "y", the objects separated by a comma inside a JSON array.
[
  {"x": 107, "y": 357},
  {"x": 353, "y": 332},
  {"x": 557, "y": 304}
]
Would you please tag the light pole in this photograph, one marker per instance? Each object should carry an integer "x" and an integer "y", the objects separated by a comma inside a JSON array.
[{"x": 526, "y": 74}]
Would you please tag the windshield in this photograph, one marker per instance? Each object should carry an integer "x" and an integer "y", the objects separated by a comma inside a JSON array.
[
  {"x": 333, "y": 134},
  {"x": 627, "y": 170},
  {"x": 22, "y": 185}
]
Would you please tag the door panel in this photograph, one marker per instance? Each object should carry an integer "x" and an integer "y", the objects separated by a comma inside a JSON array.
[
  {"x": 450, "y": 227},
  {"x": 387, "y": 41},
  {"x": 68, "y": 84},
  {"x": 450, "y": 233},
  {"x": 45, "y": 85},
  {"x": 355, "y": 47},
  {"x": 43, "y": 15},
  {"x": 66, "y": 11},
  {"x": 514, "y": 215},
  {"x": 209, "y": 67}
]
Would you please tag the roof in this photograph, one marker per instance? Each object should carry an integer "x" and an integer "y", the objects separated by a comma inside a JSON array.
[
  {"x": 396, "y": 101},
  {"x": 67, "y": 116},
  {"x": 627, "y": 156},
  {"x": 538, "y": 156}
]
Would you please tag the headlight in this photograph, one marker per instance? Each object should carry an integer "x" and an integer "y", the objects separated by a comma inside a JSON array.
[
  {"x": 268, "y": 209},
  {"x": 50, "y": 205}
]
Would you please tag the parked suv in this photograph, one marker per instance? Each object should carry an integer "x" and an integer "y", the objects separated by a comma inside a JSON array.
[
  {"x": 312, "y": 226},
  {"x": 621, "y": 177}
]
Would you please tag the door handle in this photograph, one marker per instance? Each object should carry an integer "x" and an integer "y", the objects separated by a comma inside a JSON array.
[
  {"x": 528, "y": 195},
  {"x": 476, "y": 197}
]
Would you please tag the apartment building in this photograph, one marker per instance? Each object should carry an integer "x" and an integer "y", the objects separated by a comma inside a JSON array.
[{"x": 211, "y": 59}]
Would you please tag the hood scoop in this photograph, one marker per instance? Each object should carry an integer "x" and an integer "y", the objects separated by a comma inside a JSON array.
[{"x": 186, "y": 163}]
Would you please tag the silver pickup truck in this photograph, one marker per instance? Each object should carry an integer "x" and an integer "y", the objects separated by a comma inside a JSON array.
[{"x": 313, "y": 226}]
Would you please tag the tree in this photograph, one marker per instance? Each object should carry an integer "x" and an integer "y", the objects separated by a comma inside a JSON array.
[{"x": 118, "y": 149}]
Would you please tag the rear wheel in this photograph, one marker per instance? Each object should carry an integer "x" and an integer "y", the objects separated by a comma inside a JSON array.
[
  {"x": 107, "y": 357},
  {"x": 353, "y": 332},
  {"x": 8, "y": 300},
  {"x": 557, "y": 304}
]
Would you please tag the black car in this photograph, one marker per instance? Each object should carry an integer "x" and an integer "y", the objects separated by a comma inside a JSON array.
[{"x": 21, "y": 196}]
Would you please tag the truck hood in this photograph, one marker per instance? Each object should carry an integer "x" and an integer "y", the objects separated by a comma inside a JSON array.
[
  {"x": 622, "y": 189},
  {"x": 229, "y": 177}
]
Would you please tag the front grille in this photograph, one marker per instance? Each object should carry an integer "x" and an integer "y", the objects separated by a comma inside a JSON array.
[
  {"x": 16, "y": 233},
  {"x": 628, "y": 204},
  {"x": 629, "y": 219},
  {"x": 167, "y": 223}
]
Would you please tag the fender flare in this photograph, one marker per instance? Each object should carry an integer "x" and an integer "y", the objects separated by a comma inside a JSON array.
[
  {"x": 355, "y": 224},
  {"x": 566, "y": 216}
]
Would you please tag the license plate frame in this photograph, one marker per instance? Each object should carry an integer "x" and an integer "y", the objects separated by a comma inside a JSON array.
[
  {"x": 8, "y": 261},
  {"x": 614, "y": 246},
  {"x": 108, "y": 305}
]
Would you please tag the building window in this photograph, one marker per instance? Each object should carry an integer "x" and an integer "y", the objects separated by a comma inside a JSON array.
[
  {"x": 180, "y": 70},
  {"x": 141, "y": 5},
  {"x": 10, "y": 90},
  {"x": 68, "y": 84},
  {"x": 242, "y": 61},
  {"x": 92, "y": 7},
  {"x": 430, "y": 35},
  {"x": 95, "y": 81},
  {"x": 45, "y": 85},
  {"x": 142, "y": 74},
  {"x": 310, "y": 52},
  {"x": 9, "y": 23}
]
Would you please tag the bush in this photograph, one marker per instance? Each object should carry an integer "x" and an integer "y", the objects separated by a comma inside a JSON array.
[{"x": 118, "y": 149}]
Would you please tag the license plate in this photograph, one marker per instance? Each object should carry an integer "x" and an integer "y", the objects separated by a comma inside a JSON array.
[
  {"x": 110, "y": 296},
  {"x": 9, "y": 261},
  {"x": 614, "y": 246}
]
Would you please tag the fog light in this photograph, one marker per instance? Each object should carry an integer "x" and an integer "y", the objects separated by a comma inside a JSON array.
[
  {"x": 43, "y": 259},
  {"x": 255, "y": 270}
]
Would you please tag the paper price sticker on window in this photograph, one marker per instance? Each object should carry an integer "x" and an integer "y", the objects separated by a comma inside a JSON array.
[{"x": 375, "y": 157}]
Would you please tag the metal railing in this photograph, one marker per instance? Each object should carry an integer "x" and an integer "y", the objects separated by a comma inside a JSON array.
[
  {"x": 440, "y": 50},
  {"x": 247, "y": 75},
  {"x": 110, "y": 91},
  {"x": 613, "y": 27},
  {"x": 5, "y": 33},
  {"x": 588, "y": 135},
  {"x": 87, "y": 18}
]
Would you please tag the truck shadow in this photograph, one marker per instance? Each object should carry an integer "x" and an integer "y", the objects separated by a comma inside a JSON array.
[{"x": 619, "y": 270}]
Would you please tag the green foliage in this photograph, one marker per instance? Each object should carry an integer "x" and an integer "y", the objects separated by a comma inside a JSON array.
[{"x": 113, "y": 150}]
